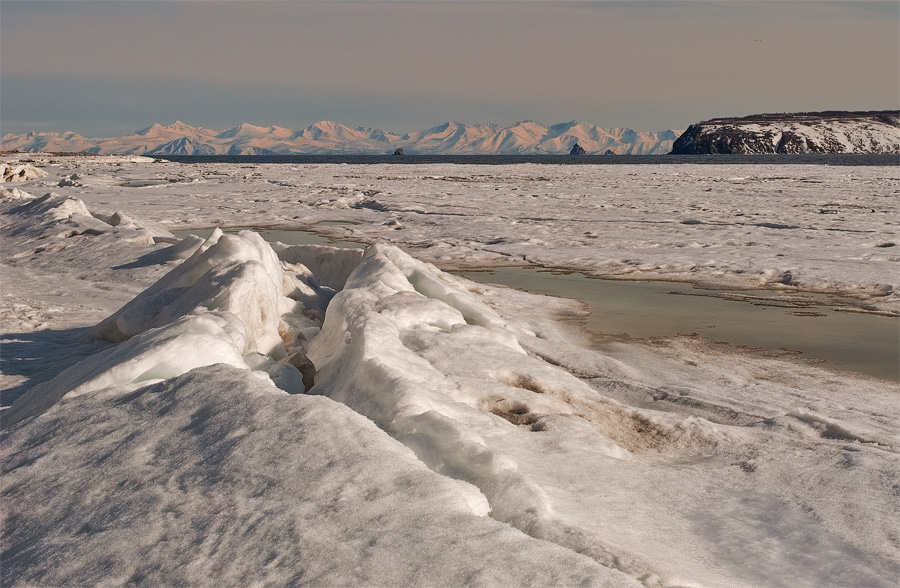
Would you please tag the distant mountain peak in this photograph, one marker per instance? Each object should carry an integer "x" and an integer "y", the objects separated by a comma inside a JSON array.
[{"x": 154, "y": 128}]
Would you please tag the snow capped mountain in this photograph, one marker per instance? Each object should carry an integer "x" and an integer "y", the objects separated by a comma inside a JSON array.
[
  {"x": 808, "y": 132},
  {"x": 327, "y": 130},
  {"x": 176, "y": 130},
  {"x": 248, "y": 131},
  {"x": 517, "y": 138},
  {"x": 324, "y": 137},
  {"x": 450, "y": 137},
  {"x": 379, "y": 135},
  {"x": 182, "y": 146},
  {"x": 46, "y": 142},
  {"x": 824, "y": 132}
]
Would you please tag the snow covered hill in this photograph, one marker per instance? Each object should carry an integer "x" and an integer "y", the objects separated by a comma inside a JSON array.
[
  {"x": 329, "y": 137},
  {"x": 807, "y": 132}
]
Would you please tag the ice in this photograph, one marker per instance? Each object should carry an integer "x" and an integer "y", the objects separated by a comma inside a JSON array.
[
  {"x": 331, "y": 267},
  {"x": 623, "y": 221},
  {"x": 238, "y": 274},
  {"x": 20, "y": 173},
  {"x": 157, "y": 355},
  {"x": 15, "y": 194},
  {"x": 215, "y": 478},
  {"x": 451, "y": 433},
  {"x": 224, "y": 303}
]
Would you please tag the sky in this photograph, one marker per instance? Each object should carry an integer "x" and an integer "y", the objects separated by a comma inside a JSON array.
[{"x": 108, "y": 68}]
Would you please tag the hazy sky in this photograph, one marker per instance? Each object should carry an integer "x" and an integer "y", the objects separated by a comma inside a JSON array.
[{"x": 112, "y": 67}]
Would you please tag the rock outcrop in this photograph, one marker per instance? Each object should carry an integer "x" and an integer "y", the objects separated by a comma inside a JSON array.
[
  {"x": 805, "y": 132},
  {"x": 577, "y": 150}
]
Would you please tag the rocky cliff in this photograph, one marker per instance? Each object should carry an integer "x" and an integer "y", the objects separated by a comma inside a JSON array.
[{"x": 805, "y": 132}]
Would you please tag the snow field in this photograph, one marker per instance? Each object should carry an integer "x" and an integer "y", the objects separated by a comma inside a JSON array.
[
  {"x": 456, "y": 433},
  {"x": 807, "y": 227}
]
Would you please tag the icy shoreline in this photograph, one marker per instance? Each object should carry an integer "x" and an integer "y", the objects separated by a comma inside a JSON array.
[{"x": 454, "y": 434}]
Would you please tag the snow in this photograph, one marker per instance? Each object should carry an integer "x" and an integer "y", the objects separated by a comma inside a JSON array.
[
  {"x": 330, "y": 137},
  {"x": 623, "y": 221},
  {"x": 237, "y": 484},
  {"x": 19, "y": 173},
  {"x": 456, "y": 433},
  {"x": 833, "y": 135}
]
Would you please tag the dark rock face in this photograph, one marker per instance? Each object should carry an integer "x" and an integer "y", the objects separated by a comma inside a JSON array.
[
  {"x": 812, "y": 132},
  {"x": 306, "y": 368},
  {"x": 399, "y": 151},
  {"x": 577, "y": 150}
]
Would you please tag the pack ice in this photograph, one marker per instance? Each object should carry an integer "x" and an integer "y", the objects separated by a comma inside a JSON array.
[{"x": 305, "y": 415}]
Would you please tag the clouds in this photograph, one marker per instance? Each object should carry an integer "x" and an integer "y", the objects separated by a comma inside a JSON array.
[{"x": 406, "y": 65}]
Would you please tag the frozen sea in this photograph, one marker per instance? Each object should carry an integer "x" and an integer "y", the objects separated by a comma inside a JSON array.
[{"x": 221, "y": 410}]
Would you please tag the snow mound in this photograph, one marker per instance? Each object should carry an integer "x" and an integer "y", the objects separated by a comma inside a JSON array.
[
  {"x": 411, "y": 348},
  {"x": 15, "y": 194},
  {"x": 20, "y": 173},
  {"x": 156, "y": 355},
  {"x": 54, "y": 217},
  {"x": 216, "y": 479},
  {"x": 239, "y": 274},
  {"x": 224, "y": 304}
]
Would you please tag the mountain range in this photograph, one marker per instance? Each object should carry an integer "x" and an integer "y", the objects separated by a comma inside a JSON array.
[{"x": 325, "y": 137}]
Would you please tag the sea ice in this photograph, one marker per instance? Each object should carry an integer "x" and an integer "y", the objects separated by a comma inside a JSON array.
[
  {"x": 456, "y": 433},
  {"x": 216, "y": 478},
  {"x": 19, "y": 173}
]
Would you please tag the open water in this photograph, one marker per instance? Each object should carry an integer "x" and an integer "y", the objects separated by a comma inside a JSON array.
[{"x": 817, "y": 327}]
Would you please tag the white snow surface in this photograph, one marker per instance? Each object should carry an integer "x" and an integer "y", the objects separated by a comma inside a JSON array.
[{"x": 456, "y": 433}]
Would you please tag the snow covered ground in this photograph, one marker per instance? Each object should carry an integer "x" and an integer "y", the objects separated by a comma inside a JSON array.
[{"x": 453, "y": 433}]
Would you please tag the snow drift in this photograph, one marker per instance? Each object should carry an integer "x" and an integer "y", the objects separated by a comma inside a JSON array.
[{"x": 236, "y": 484}]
